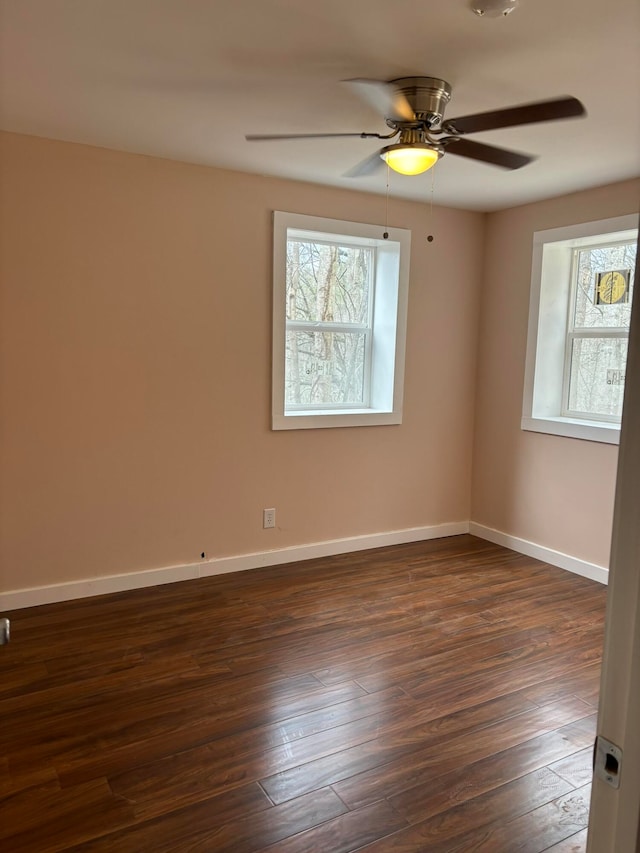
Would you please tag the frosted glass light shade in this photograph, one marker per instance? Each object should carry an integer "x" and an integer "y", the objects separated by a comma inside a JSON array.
[{"x": 412, "y": 159}]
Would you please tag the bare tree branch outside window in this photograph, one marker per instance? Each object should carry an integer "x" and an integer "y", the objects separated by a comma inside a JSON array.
[{"x": 328, "y": 299}]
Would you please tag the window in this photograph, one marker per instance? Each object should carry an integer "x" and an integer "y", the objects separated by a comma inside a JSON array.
[
  {"x": 581, "y": 296},
  {"x": 340, "y": 303}
]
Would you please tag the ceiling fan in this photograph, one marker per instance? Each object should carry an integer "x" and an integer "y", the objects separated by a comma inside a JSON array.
[{"x": 413, "y": 107}]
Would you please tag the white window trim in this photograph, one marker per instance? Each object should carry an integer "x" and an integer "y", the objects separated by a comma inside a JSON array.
[
  {"x": 372, "y": 415},
  {"x": 570, "y": 427}
]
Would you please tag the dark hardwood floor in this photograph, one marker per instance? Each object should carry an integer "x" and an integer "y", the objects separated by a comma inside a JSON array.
[{"x": 437, "y": 696}]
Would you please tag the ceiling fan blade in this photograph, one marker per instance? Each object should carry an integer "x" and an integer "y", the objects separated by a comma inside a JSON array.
[
  {"x": 486, "y": 153},
  {"x": 385, "y": 99},
  {"x": 266, "y": 137},
  {"x": 512, "y": 116},
  {"x": 369, "y": 166}
]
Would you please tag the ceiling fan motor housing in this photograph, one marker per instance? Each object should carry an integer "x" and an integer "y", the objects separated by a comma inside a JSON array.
[{"x": 427, "y": 96}]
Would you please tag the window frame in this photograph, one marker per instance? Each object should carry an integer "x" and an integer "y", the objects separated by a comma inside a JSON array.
[
  {"x": 387, "y": 310},
  {"x": 547, "y": 411},
  {"x": 577, "y": 332}
]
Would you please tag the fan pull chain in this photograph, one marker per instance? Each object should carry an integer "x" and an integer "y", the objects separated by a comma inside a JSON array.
[
  {"x": 385, "y": 235},
  {"x": 433, "y": 179}
]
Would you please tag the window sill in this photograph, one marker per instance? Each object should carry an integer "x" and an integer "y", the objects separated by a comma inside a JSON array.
[
  {"x": 605, "y": 433},
  {"x": 331, "y": 418}
]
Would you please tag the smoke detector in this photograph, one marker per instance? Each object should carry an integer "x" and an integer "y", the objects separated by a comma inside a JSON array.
[{"x": 493, "y": 8}]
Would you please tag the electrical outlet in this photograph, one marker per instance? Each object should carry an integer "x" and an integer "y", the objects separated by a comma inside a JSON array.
[{"x": 268, "y": 518}]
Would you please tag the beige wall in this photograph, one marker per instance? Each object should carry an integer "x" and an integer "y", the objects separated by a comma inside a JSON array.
[
  {"x": 136, "y": 334},
  {"x": 556, "y": 492}
]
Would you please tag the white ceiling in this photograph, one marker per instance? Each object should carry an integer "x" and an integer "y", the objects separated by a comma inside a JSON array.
[{"x": 187, "y": 79}]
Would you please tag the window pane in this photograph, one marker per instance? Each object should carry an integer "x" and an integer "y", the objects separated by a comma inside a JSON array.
[
  {"x": 328, "y": 283},
  {"x": 596, "y": 384},
  {"x": 324, "y": 367},
  {"x": 594, "y": 312}
]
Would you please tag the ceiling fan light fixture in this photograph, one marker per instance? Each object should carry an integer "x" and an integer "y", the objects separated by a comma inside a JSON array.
[{"x": 410, "y": 159}]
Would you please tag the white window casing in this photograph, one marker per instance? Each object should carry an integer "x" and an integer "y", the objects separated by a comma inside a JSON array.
[
  {"x": 552, "y": 330},
  {"x": 383, "y": 332}
]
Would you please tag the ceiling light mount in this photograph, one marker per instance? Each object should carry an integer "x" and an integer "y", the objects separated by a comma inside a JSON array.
[{"x": 493, "y": 8}]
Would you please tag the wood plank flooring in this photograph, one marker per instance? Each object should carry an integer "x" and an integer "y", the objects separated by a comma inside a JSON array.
[{"x": 437, "y": 696}]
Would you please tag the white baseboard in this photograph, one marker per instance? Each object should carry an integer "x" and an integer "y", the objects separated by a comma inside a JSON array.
[
  {"x": 20, "y": 598},
  {"x": 547, "y": 555},
  {"x": 17, "y": 599}
]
